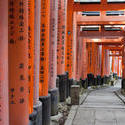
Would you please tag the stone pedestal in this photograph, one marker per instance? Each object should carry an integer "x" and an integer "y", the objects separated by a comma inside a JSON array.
[{"x": 75, "y": 89}]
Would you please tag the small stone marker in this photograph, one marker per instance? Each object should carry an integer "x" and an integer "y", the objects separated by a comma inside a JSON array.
[{"x": 75, "y": 89}]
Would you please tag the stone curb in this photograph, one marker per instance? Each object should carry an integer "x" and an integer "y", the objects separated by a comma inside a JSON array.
[{"x": 119, "y": 95}]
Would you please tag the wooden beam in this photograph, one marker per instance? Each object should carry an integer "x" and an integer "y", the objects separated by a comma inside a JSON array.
[
  {"x": 106, "y": 34},
  {"x": 82, "y": 23},
  {"x": 77, "y": 6},
  {"x": 109, "y": 43},
  {"x": 115, "y": 55},
  {"x": 113, "y": 48},
  {"x": 99, "y": 20}
]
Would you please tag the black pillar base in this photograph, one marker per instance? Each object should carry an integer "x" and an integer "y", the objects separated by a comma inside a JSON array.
[
  {"x": 46, "y": 109},
  {"x": 54, "y": 101},
  {"x": 62, "y": 87},
  {"x": 123, "y": 84},
  {"x": 90, "y": 78},
  {"x": 71, "y": 81},
  {"x": 38, "y": 109},
  {"x": 84, "y": 83},
  {"x": 95, "y": 81},
  {"x": 32, "y": 118},
  {"x": 67, "y": 85},
  {"x": 104, "y": 80},
  {"x": 99, "y": 81},
  {"x": 107, "y": 79},
  {"x": 36, "y": 117}
]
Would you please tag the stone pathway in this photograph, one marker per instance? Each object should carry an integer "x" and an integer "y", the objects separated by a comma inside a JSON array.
[{"x": 101, "y": 107}]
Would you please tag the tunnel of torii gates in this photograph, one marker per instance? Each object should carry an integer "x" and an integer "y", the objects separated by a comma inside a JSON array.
[{"x": 42, "y": 47}]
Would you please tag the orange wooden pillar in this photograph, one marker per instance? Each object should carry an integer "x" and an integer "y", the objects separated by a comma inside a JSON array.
[
  {"x": 123, "y": 62},
  {"x": 4, "y": 107},
  {"x": 37, "y": 22},
  {"x": 61, "y": 42},
  {"x": 105, "y": 62},
  {"x": 113, "y": 61},
  {"x": 61, "y": 48},
  {"x": 34, "y": 60},
  {"x": 89, "y": 57},
  {"x": 69, "y": 39},
  {"x": 116, "y": 64},
  {"x": 44, "y": 62},
  {"x": 84, "y": 60},
  {"x": 102, "y": 62},
  {"x": 31, "y": 52},
  {"x": 44, "y": 48},
  {"x": 123, "y": 66},
  {"x": 80, "y": 54},
  {"x": 118, "y": 67},
  {"x": 94, "y": 59},
  {"x": 108, "y": 63},
  {"x": 53, "y": 44},
  {"x": 100, "y": 59},
  {"x": 53, "y": 56},
  {"x": 18, "y": 62},
  {"x": 77, "y": 53},
  {"x": 74, "y": 43}
]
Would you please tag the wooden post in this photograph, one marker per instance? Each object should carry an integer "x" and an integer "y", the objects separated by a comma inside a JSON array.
[
  {"x": 44, "y": 47},
  {"x": 61, "y": 42},
  {"x": 69, "y": 39},
  {"x": 31, "y": 52},
  {"x": 4, "y": 107},
  {"x": 18, "y": 62}
]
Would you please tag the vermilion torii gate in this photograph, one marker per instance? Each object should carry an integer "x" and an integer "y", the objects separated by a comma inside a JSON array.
[{"x": 43, "y": 39}]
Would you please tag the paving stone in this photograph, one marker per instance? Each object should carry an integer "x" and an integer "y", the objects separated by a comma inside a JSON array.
[{"x": 102, "y": 107}]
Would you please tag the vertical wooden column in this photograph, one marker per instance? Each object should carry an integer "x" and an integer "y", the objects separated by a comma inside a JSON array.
[
  {"x": 80, "y": 57},
  {"x": 44, "y": 62},
  {"x": 31, "y": 52},
  {"x": 105, "y": 62},
  {"x": 89, "y": 57},
  {"x": 113, "y": 61},
  {"x": 53, "y": 44},
  {"x": 44, "y": 48},
  {"x": 53, "y": 56},
  {"x": 116, "y": 64},
  {"x": 94, "y": 58},
  {"x": 100, "y": 59},
  {"x": 18, "y": 62},
  {"x": 62, "y": 9},
  {"x": 37, "y": 23},
  {"x": 4, "y": 107},
  {"x": 69, "y": 39},
  {"x": 102, "y": 62},
  {"x": 74, "y": 44},
  {"x": 108, "y": 63},
  {"x": 77, "y": 53},
  {"x": 84, "y": 60},
  {"x": 123, "y": 66},
  {"x": 118, "y": 67},
  {"x": 34, "y": 61}
]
